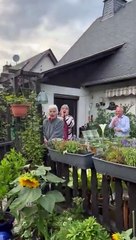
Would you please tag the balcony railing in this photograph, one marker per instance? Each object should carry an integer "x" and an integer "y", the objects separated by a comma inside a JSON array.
[{"x": 111, "y": 203}]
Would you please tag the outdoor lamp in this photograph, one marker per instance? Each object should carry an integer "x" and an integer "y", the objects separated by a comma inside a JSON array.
[{"x": 42, "y": 97}]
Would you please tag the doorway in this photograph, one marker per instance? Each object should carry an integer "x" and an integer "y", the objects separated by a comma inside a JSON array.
[{"x": 71, "y": 101}]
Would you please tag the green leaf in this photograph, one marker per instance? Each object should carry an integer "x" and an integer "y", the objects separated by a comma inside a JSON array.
[
  {"x": 27, "y": 196},
  {"x": 53, "y": 178},
  {"x": 30, "y": 211},
  {"x": 14, "y": 190},
  {"x": 41, "y": 171},
  {"x": 57, "y": 195},
  {"x": 47, "y": 202}
]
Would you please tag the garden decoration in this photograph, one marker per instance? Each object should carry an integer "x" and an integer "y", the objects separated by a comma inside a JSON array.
[
  {"x": 72, "y": 153},
  {"x": 33, "y": 200},
  {"x": 102, "y": 126}
]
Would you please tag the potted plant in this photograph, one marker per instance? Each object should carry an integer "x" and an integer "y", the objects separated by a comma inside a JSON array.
[
  {"x": 19, "y": 105},
  {"x": 117, "y": 161},
  {"x": 71, "y": 152}
]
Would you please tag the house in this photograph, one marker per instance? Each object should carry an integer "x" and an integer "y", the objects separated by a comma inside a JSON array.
[
  {"x": 100, "y": 67},
  {"x": 28, "y": 70}
]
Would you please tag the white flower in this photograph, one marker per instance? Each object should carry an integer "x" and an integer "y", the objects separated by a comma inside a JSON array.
[
  {"x": 64, "y": 152},
  {"x": 103, "y": 126},
  {"x": 70, "y": 219}
]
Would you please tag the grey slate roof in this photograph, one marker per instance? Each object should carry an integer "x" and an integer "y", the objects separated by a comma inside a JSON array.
[
  {"x": 105, "y": 34},
  {"x": 30, "y": 63}
]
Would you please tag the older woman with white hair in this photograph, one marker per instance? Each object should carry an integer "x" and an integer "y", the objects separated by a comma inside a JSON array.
[{"x": 53, "y": 125}]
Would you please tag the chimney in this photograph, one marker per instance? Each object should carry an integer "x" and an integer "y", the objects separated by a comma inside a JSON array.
[
  {"x": 111, "y": 7},
  {"x": 6, "y": 68}
]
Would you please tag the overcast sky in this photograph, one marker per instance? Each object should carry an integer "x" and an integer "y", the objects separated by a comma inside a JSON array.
[{"x": 28, "y": 27}]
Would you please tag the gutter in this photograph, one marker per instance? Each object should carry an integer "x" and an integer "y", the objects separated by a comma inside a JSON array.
[{"x": 109, "y": 80}]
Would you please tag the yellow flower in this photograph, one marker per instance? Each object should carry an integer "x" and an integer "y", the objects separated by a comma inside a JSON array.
[
  {"x": 116, "y": 236},
  {"x": 28, "y": 181}
]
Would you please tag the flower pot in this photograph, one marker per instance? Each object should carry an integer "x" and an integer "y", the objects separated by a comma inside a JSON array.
[
  {"x": 5, "y": 235},
  {"x": 83, "y": 161},
  {"x": 124, "y": 172},
  {"x": 6, "y": 224},
  {"x": 19, "y": 110}
]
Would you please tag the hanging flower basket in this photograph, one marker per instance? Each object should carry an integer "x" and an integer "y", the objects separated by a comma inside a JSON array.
[{"x": 19, "y": 110}]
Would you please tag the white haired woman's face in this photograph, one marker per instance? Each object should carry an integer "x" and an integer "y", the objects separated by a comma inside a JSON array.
[{"x": 53, "y": 113}]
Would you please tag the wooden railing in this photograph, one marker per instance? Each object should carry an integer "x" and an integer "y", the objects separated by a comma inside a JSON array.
[
  {"x": 112, "y": 206},
  {"x": 5, "y": 147}
]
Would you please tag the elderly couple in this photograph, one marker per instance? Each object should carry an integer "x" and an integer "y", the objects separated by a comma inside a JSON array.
[{"x": 58, "y": 126}]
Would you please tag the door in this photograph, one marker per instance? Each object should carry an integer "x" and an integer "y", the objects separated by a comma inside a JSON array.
[{"x": 71, "y": 101}]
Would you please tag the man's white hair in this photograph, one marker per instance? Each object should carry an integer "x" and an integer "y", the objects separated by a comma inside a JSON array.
[{"x": 53, "y": 106}]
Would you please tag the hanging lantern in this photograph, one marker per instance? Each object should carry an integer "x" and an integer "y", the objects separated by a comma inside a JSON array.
[{"x": 42, "y": 98}]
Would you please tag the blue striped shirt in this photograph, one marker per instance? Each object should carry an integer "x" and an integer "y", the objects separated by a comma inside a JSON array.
[{"x": 122, "y": 123}]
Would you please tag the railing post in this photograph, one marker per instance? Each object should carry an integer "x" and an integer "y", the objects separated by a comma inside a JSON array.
[
  {"x": 94, "y": 194},
  {"x": 119, "y": 204}
]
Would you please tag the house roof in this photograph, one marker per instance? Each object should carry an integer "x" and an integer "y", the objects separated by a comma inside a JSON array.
[
  {"x": 102, "y": 35},
  {"x": 30, "y": 63},
  {"x": 99, "y": 37},
  {"x": 62, "y": 68}
]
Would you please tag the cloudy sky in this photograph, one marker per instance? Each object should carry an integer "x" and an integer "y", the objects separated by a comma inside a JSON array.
[{"x": 28, "y": 27}]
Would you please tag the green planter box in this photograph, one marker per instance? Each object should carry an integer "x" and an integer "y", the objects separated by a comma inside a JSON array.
[
  {"x": 124, "y": 172},
  {"x": 83, "y": 161}
]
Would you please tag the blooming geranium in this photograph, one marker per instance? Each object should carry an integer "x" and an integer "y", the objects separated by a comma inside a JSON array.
[{"x": 28, "y": 180}]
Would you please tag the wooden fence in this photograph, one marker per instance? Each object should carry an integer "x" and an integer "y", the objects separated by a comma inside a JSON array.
[{"x": 111, "y": 203}]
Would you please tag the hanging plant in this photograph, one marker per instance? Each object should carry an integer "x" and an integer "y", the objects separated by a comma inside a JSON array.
[{"x": 19, "y": 105}]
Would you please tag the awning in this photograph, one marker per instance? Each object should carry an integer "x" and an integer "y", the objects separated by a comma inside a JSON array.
[{"x": 117, "y": 92}]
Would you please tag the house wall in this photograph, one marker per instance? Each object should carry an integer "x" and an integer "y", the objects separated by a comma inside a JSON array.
[
  {"x": 45, "y": 64},
  {"x": 99, "y": 92},
  {"x": 82, "y": 103},
  {"x": 88, "y": 97}
]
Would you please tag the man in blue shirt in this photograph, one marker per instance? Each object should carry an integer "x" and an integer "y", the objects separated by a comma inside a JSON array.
[{"x": 120, "y": 123}]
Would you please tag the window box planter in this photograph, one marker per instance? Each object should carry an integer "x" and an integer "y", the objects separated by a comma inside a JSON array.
[
  {"x": 83, "y": 161},
  {"x": 124, "y": 172}
]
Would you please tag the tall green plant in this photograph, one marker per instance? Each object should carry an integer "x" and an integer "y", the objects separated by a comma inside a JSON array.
[
  {"x": 32, "y": 146},
  {"x": 10, "y": 168}
]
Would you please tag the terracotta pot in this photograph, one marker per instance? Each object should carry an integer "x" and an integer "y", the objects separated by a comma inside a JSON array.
[{"x": 19, "y": 110}]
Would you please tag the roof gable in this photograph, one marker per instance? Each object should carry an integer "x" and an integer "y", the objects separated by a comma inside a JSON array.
[{"x": 30, "y": 64}]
